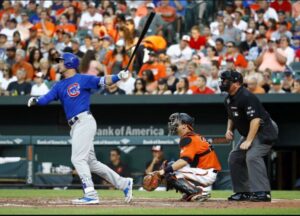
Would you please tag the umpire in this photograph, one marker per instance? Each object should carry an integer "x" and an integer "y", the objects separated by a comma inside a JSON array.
[{"x": 258, "y": 133}]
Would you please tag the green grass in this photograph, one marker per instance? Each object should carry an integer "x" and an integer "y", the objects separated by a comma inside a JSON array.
[{"x": 106, "y": 194}]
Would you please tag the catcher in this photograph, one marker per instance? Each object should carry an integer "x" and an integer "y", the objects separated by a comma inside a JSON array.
[{"x": 197, "y": 167}]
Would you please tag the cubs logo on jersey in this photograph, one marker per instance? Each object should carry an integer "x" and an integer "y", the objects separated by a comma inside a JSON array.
[{"x": 74, "y": 90}]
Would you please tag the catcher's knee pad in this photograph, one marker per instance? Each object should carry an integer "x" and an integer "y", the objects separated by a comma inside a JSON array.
[{"x": 182, "y": 185}]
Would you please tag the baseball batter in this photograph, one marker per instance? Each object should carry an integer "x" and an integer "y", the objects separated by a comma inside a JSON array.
[
  {"x": 196, "y": 169},
  {"x": 74, "y": 93}
]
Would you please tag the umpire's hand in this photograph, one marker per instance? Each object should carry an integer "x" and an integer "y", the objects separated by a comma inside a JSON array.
[
  {"x": 32, "y": 101},
  {"x": 229, "y": 135}
]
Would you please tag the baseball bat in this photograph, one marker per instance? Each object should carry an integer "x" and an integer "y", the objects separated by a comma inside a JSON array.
[{"x": 145, "y": 29}]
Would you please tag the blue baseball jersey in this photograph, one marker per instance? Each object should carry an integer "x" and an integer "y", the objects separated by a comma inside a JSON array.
[{"x": 74, "y": 93}]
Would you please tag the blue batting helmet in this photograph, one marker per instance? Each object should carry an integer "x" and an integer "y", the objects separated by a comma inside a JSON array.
[{"x": 71, "y": 61}]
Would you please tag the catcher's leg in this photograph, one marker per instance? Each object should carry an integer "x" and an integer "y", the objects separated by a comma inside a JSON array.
[{"x": 184, "y": 186}]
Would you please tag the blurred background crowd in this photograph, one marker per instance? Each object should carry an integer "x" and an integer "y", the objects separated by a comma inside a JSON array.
[{"x": 186, "y": 47}]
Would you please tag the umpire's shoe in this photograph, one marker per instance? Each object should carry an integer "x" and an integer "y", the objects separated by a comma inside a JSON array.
[
  {"x": 128, "y": 190},
  {"x": 245, "y": 196},
  {"x": 85, "y": 201},
  {"x": 262, "y": 196}
]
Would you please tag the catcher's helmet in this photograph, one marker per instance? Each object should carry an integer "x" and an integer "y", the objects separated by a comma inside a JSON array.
[
  {"x": 179, "y": 118},
  {"x": 228, "y": 77},
  {"x": 71, "y": 61}
]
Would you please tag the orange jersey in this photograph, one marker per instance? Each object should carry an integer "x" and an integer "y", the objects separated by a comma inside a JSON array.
[{"x": 198, "y": 152}]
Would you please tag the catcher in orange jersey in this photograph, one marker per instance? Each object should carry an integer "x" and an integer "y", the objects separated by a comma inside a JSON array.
[{"x": 197, "y": 168}]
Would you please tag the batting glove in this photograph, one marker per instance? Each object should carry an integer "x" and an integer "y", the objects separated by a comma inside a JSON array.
[
  {"x": 123, "y": 74},
  {"x": 32, "y": 101}
]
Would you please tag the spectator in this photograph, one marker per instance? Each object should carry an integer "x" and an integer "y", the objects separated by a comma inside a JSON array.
[
  {"x": 168, "y": 15},
  {"x": 134, "y": 16},
  {"x": 285, "y": 48},
  {"x": 117, "y": 164},
  {"x": 24, "y": 26},
  {"x": 251, "y": 71},
  {"x": 35, "y": 56},
  {"x": 17, "y": 42},
  {"x": 232, "y": 53},
  {"x": 253, "y": 86},
  {"x": 212, "y": 55},
  {"x": 201, "y": 86},
  {"x": 222, "y": 34},
  {"x": 271, "y": 58},
  {"x": 11, "y": 56},
  {"x": 230, "y": 31},
  {"x": 269, "y": 12},
  {"x": 112, "y": 90},
  {"x": 52, "y": 58},
  {"x": 220, "y": 48},
  {"x": 87, "y": 44},
  {"x": 6, "y": 8},
  {"x": 213, "y": 82},
  {"x": 159, "y": 70},
  {"x": 45, "y": 27},
  {"x": 172, "y": 80},
  {"x": 214, "y": 25},
  {"x": 272, "y": 27},
  {"x": 296, "y": 9},
  {"x": 282, "y": 31},
  {"x": 296, "y": 87},
  {"x": 192, "y": 75},
  {"x": 281, "y": 5},
  {"x": 33, "y": 40},
  {"x": 90, "y": 66},
  {"x": 259, "y": 17},
  {"x": 157, "y": 159},
  {"x": 246, "y": 45},
  {"x": 47, "y": 70},
  {"x": 75, "y": 48},
  {"x": 181, "y": 50},
  {"x": 9, "y": 30},
  {"x": 40, "y": 87},
  {"x": 127, "y": 85},
  {"x": 5, "y": 78},
  {"x": 140, "y": 87},
  {"x": 117, "y": 59},
  {"x": 21, "y": 63},
  {"x": 197, "y": 41},
  {"x": 282, "y": 18},
  {"x": 65, "y": 25},
  {"x": 90, "y": 17},
  {"x": 106, "y": 45},
  {"x": 287, "y": 81},
  {"x": 156, "y": 24},
  {"x": 130, "y": 35},
  {"x": 255, "y": 51},
  {"x": 276, "y": 87},
  {"x": 267, "y": 82},
  {"x": 162, "y": 88},
  {"x": 209, "y": 38},
  {"x": 151, "y": 83},
  {"x": 19, "y": 87},
  {"x": 238, "y": 22},
  {"x": 3, "y": 46},
  {"x": 182, "y": 87}
]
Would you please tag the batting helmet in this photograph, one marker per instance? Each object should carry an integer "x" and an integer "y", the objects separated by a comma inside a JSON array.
[
  {"x": 179, "y": 118},
  {"x": 228, "y": 77},
  {"x": 71, "y": 61}
]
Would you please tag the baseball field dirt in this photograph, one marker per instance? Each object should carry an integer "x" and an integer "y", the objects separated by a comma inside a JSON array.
[{"x": 58, "y": 202}]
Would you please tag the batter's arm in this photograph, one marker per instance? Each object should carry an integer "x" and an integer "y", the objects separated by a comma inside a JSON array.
[{"x": 45, "y": 99}]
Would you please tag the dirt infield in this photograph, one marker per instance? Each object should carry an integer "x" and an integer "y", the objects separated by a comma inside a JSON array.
[{"x": 146, "y": 203}]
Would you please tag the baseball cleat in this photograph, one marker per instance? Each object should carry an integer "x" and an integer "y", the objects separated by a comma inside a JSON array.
[
  {"x": 85, "y": 201},
  {"x": 128, "y": 190}
]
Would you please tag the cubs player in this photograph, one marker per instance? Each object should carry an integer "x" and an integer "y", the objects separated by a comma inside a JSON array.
[
  {"x": 74, "y": 93},
  {"x": 196, "y": 169}
]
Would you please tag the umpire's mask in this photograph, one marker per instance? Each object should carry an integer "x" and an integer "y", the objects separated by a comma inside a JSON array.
[
  {"x": 227, "y": 78},
  {"x": 179, "y": 118}
]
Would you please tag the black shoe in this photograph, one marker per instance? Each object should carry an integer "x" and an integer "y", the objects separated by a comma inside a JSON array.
[
  {"x": 239, "y": 197},
  {"x": 262, "y": 196}
]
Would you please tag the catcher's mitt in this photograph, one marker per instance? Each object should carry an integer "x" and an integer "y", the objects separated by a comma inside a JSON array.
[{"x": 152, "y": 181}]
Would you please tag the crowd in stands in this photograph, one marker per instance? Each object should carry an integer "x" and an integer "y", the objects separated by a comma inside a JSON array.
[{"x": 188, "y": 44}]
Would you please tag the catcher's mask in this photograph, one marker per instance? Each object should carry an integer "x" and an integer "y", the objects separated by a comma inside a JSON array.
[
  {"x": 179, "y": 118},
  {"x": 227, "y": 78}
]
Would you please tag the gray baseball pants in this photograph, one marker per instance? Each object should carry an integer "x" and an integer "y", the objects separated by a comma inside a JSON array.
[{"x": 84, "y": 158}]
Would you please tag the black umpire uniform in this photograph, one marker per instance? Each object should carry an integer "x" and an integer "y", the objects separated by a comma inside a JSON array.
[{"x": 247, "y": 168}]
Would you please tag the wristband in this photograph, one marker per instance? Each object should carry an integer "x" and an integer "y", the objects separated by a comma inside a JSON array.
[
  {"x": 168, "y": 169},
  {"x": 115, "y": 78}
]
